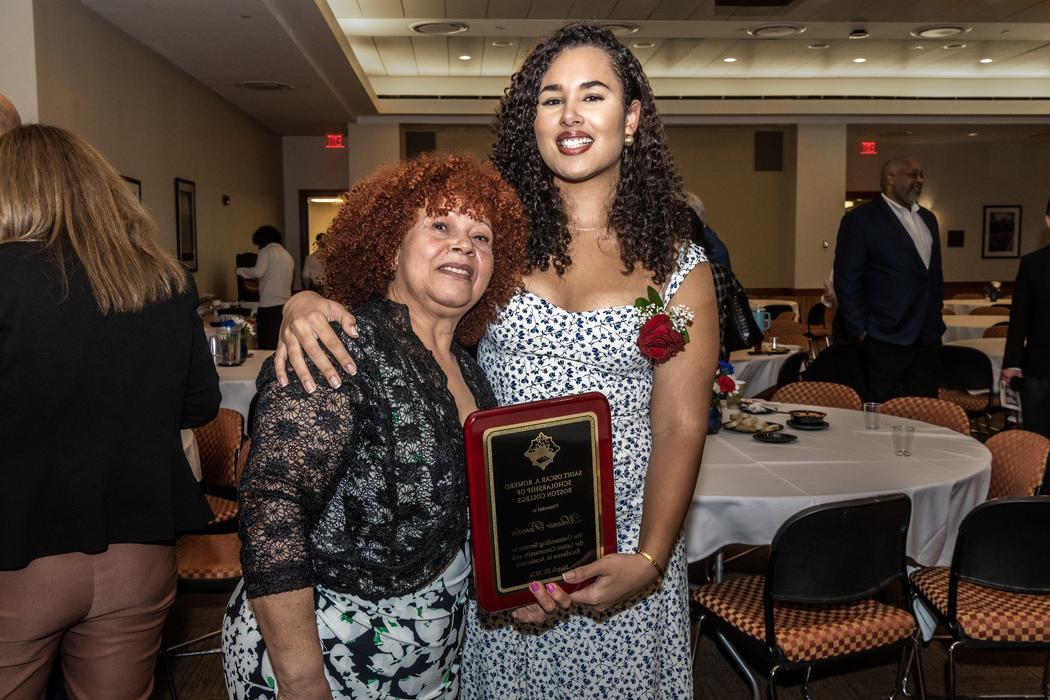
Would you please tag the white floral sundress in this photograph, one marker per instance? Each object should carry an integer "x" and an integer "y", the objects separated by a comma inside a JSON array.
[
  {"x": 402, "y": 647},
  {"x": 639, "y": 650}
]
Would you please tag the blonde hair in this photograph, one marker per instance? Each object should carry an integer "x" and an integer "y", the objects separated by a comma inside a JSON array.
[{"x": 56, "y": 189}]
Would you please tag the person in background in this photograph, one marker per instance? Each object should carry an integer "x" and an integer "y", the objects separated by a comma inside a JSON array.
[
  {"x": 102, "y": 360},
  {"x": 312, "y": 266},
  {"x": 353, "y": 505},
  {"x": 274, "y": 268},
  {"x": 888, "y": 284},
  {"x": 9, "y": 117},
  {"x": 704, "y": 235},
  {"x": 1027, "y": 353}
]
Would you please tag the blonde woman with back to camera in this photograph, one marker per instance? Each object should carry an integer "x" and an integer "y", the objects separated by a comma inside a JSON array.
[{"x": 102, "y": 360}]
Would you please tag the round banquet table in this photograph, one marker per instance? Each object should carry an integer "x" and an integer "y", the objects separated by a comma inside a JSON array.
[
  {"x": 965, "y": 306},
  {"x": 747, "y": 489},
  {"x": 992, "y": 347},
  {"x": 758, "y": 372},
  {"x": 237, "y": 384},
  {"x": 968, "y": 327}
]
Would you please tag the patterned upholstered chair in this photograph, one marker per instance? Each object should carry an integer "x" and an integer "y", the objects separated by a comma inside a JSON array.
[
  {"x": 964, "y": 370},
  {"x": 785, "y": 327},
  {"x": 999, "y": 330},
  {"x": 818, "y": 601},
  {"x": 824, "y": 394},
  {"x": 996, "y": 595},
  {"x": 223, "y": 451},
  {"x": 945, "y": 311},
  {"x": 990, "y": 311},
  {"x": 1019, "y": 461},
  {"x": 937, "y": 411}
]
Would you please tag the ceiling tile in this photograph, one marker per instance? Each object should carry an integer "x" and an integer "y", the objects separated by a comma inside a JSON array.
[
  {"x": 508, "y": 9},
  {"x": 465, "y": 9},
  {"x": 397, "y": 55},
  {"x": 345, "y": 8},
  {"x": 380, "y": 8},
  {"x": 591, "y": 9},
  {"x": 431, "y": 54},
  {"x": 367, "y": 54},
  {"x": 465, "y": 46},
  {"x": 549, "y": 9},
  {"x": 430, "y": 9},
  {"x": 675, "y": 9},
  {"x": 635, "y": 10},
  {"x": 498, "y": 60}
]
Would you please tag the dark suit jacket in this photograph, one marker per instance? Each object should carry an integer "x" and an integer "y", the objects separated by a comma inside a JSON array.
[
  {"x": 90, "y": 411},
  {"x": 1028, "y": 340},
  {"x": 882, "y": 286}
]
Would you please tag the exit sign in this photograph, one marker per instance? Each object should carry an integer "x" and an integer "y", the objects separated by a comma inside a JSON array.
[
  {"x": 869, "y": 148},
  {"x": 334, "y": 141}
]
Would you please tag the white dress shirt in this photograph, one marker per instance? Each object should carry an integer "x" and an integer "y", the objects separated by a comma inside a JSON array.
[
  {"x": 916, "y": 228},
  {"x": 312, "y": 268},
  {"x": 274, "y": 268}
]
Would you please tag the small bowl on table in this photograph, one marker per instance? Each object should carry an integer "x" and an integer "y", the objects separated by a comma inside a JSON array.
[{"x": 807, "y": 417}]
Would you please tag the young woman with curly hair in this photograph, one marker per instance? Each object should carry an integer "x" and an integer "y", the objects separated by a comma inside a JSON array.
[
  {"x": 353, "y": 504},
  {"x": 580, "y": 140}
]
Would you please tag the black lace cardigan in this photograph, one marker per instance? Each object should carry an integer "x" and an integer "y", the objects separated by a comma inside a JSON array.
[{"x": 361, "y": 489}]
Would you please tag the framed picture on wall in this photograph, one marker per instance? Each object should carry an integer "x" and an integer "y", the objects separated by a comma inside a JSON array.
[
  {"x": 134, "y": 185},
  {"x": 1002, "y": 231},
  {"x": 186, "y": 222}
]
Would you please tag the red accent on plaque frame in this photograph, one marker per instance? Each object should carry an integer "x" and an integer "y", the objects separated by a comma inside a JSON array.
[{"x": 495, "y": 590}]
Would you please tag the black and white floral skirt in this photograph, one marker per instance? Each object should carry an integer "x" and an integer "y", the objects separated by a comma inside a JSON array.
[{"x": 402, "y": 647}]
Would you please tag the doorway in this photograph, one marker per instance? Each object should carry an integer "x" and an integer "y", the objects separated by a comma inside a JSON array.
[{"x": 317, "y": 210}]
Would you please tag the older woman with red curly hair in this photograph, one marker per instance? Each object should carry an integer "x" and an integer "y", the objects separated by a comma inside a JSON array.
[{"x": 353, "y": 505}]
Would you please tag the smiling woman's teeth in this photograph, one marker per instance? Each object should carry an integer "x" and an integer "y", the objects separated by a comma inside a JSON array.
[
  {"x": 575, "y": 142},
  {"x": 457, "y": 270}
]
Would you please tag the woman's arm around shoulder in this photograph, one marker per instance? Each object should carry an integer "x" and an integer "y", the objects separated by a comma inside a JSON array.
[{"x": 306, "y": 333}]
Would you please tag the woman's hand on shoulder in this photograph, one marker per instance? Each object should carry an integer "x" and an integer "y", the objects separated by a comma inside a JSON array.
[
  {"x": 305, "y": 333},
  {"x": 617, "y": 577}
]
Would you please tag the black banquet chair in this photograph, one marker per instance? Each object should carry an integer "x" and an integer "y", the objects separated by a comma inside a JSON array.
[
  {"x": 996, "y": 595},
  {"x": 819, "y": 600}
]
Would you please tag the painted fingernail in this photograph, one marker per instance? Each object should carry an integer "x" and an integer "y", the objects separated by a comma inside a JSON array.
[
  {"x": 310, "y": 387},
  {"x": 550, "y": 588},
  {"x": 282, "y": 381},
  {"x": 350, "y": 368},
  {"x": 569, "y": 576},
  {"x": 334, "y": 381},
  {"x": 354, "y": 334},
  {"x": 534, "y": 586}
]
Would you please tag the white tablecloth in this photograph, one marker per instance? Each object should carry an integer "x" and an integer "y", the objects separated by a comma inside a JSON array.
[
  {"x": 762, "y": 303},
  {"x": 993, "y": 348},
  {"x": 758, "y": 372},
  {"x": 747, "y": 489},
  {"x": 967, "y": 327},
  {"x": 237, "y": 384},
  {"x": 965, "y": 306}
]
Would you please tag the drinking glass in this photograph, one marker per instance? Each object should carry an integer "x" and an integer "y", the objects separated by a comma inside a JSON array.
[
  {"x": 871, "y": 415},
  {"x": 229, "y": 341},
  {"x": 902, "y": 439}
]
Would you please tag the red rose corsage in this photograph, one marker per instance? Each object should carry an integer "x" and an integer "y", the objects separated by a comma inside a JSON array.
[{"x": 662, "y": 333}]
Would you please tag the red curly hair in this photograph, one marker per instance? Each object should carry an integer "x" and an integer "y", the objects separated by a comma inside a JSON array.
[{"x": 362, "y": 243}]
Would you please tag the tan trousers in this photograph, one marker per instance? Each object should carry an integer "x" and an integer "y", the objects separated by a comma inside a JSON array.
[{"x": 104, "y": 612}]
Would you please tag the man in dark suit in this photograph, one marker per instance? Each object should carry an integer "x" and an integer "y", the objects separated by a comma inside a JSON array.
[
  {"x": 888, "y": 283},
  {"x": 1028, "y": 339}
]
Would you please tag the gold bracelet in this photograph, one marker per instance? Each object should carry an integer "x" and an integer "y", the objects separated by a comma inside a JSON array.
[{"x": 656, "y": 565}]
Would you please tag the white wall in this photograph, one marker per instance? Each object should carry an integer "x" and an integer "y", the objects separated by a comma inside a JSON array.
[
  {"x": 960, "y": 180},
  {"x": 371, "y": 144},
  {"x": 820, "y": 179},
  {"x": 18, "y": 57},
  {"x": 156, "y": 123},
  {"x": 308, "y": 165}
]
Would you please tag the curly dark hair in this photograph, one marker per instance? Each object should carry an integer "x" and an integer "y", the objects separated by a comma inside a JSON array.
[
  {"x": 362, "y": 243},
  {"x": 648, "y": 213}
]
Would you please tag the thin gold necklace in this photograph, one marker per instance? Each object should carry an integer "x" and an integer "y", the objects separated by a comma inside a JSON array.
[{"x": 595, "y": 228}]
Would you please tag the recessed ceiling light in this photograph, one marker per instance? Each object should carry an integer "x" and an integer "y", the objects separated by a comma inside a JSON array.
[
  {"x": 465, "y": 57},
  {"x": 326, "y": 200},
  {"x": 985, "y": 60},
  {"x": 776, "y": 31},
  {"x": 973, "y": 133},
  {"x": 502, "y": 43},
  {"x": 860, "y": 60},
  {"x": 729, "y": 59},
  {"x": 940, "y": 31},
  {"x": 439, "y": 27},
  {"x": 859, "y": 34},
  {"x": 621, "y": 28},
  {"x": 264, "y": 85},
  {"x": 819, "y": 47},
  {"x": 643, "y": 44},
  {"x": 952, "y": 47}
]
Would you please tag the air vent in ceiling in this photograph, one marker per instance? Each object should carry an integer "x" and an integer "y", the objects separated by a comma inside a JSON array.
[
  {"x": 439, "y": 28},
  {"x": 620, "y": 28},
  {"x": 264, "y": 85},
  {"x": 941, "y": 31},
  {"x": 776, "y": 31}
]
